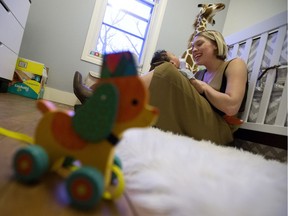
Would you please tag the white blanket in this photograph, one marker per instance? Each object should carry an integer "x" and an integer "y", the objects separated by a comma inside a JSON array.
[{"x": 172, "y": 175}]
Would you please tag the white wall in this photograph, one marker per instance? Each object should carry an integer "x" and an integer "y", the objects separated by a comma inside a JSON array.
[
  {"x": 54, "y": 35},
  {"x": 245, "y": 13}
]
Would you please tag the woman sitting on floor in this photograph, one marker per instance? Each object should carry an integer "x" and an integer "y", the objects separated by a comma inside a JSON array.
[{"x": 198, "y": 107}]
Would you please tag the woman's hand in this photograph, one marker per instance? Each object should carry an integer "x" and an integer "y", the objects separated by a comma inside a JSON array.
[
  {"x": 187, "y": 73},
  {"x": 199, "y": 85}
]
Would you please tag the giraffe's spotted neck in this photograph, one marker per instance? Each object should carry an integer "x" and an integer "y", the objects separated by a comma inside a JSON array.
[{"x": 201, "y": 25}]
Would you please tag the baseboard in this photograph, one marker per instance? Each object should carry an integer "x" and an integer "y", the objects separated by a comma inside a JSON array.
[{"x": 59, "y": 96}]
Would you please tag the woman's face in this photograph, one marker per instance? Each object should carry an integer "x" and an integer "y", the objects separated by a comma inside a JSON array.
[{"x": 203, "y": 50}]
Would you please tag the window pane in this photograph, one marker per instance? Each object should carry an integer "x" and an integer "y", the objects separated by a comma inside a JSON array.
[
  {"x": 111, "y": 39},
  {"x": 124, "y": 27},
  {"x": 123, "y": 36},
  {"x": 126, "y": 22},
  {"x": 132, "y": 6}
]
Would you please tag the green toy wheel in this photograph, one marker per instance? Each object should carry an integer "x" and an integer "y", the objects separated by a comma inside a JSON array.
[
  {"x": 30, "y": 163},
  {"x": 85, "y": 187}
]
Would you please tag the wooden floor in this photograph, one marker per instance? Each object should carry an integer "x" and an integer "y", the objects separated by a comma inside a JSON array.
[{"x": 19, "y": 114}]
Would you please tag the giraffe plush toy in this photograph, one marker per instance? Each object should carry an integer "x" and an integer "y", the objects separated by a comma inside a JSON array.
[{"x": 206, "y": 14}]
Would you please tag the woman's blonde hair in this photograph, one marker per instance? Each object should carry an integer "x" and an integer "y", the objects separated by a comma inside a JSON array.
[{"x": 216, "y": 38}]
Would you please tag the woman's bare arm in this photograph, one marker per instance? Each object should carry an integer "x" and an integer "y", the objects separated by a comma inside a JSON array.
[{"x": 230, "y": 101}]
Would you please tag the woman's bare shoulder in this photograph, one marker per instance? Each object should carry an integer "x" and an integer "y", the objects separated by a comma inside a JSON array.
[
  {"x": 237, "y": 61},
  {"x": 237, "y": 67}
]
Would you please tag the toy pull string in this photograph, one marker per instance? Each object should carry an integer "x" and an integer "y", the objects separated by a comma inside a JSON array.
[{"x": 16, "y": 135}]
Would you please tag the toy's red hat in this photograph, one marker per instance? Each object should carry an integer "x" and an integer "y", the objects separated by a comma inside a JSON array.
[{"x": 118, "y": 65}]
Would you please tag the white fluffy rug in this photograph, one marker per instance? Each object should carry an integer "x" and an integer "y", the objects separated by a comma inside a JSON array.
[{"x": 173, "y": 175}]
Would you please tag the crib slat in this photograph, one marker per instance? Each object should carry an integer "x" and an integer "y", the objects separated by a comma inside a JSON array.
[
  {"x": 264, "y": 103},
  {"x": 234, "y": 50},
  {"x": 245, "y": 58},
  {"x": 282, "y": 111},
  {"x": 271, "y": 76},
  {"x": 254, "y": 75},
  {"x": 246, "y": 52}
]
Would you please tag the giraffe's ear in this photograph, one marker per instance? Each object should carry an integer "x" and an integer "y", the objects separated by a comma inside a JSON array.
[
  {"x": 95, "y": 119},
  {"x": 211, "y": 21}
]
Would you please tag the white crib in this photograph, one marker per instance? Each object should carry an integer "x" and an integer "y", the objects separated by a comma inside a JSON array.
[{"x": 264, "y": 48}]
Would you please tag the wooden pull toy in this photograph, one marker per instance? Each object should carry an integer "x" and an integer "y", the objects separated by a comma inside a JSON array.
[{"x": 89, "y": 135}]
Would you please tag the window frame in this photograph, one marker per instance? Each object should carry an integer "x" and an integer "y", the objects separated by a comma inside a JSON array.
[{"x": 149, "y": 45}]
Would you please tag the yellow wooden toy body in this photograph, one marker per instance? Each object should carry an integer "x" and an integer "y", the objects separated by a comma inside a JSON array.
[{"x": 98, "y": 155}]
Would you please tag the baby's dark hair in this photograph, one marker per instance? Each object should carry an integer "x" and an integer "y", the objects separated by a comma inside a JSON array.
[{"x": 158, "y": 58}]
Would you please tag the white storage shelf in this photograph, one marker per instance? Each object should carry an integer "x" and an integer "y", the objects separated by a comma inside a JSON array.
[{"x": 13, "y": 17}]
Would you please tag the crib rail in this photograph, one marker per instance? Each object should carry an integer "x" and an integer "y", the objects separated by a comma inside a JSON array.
[{"x": 264, "y": 46}]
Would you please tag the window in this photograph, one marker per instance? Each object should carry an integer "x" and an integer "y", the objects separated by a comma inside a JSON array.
[{"x": 118, "y": 25}]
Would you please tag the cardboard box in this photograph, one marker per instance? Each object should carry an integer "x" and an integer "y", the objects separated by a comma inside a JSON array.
[{"x": 29, "y": 79}]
